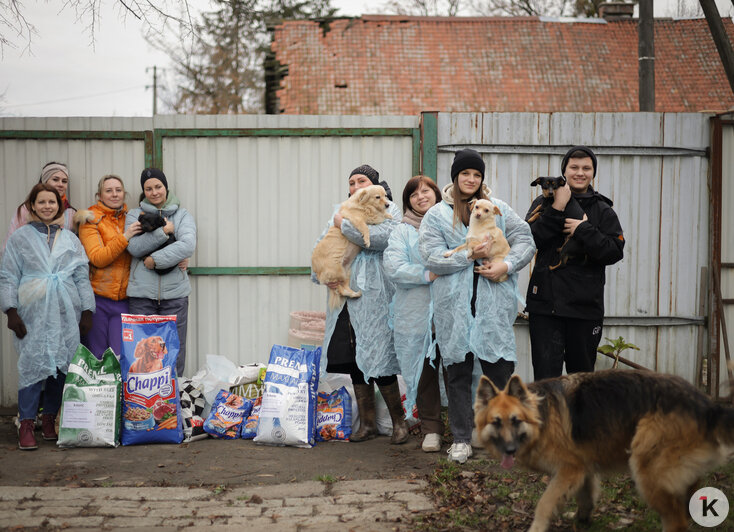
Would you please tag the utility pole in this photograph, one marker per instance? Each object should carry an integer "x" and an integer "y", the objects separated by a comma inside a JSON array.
[
  {"x": 646, "y": 55},
  {"x": 721, "y": 39},
  {"x": 155, "y": 89}
]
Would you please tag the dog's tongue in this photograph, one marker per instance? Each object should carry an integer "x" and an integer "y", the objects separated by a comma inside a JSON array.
[{"x": 508, "y": 461}]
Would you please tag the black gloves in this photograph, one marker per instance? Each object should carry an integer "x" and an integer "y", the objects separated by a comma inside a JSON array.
[
  {"x": 15, "y": 323},
  {"x": 85, "y": 323}
]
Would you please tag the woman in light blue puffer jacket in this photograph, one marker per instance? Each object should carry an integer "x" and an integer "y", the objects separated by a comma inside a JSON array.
[{"x": 150, "y": 290}]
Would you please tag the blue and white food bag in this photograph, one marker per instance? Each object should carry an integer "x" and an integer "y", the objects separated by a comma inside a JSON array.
[
  {"x": 227, "y": 415},
  {"x": 151, "y": 411},
  {"x": 288, "y": 409}
]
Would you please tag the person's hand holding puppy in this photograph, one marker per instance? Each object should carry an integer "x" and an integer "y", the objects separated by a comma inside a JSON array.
[
  {"x": 135, "y": 229},
  {"x": 561, "y": 197},
  {"x": 492, "y": 270},
  {"x": 149, "y": 262},
  {"x": 571, "y": 224},
  {"x": 168, "y": 228}
]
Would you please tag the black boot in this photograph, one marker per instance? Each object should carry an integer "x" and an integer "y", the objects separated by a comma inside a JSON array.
[
  {"x": 365, "y": 395},
  {"x": 391, "y": 395}
]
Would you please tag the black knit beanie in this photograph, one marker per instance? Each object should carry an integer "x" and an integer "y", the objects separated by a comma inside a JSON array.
[
  {"x": 372, "y": 174},
  {"x": 466, "y": 159},
  {"x": 584, "y": 149},
  {"x": 153, "y": 173}
]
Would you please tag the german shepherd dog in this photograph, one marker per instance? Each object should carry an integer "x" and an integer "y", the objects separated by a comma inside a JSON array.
[{"x": 660, "y": 428}]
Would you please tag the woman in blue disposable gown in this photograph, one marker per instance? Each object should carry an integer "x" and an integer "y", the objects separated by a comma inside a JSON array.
[
  {"x": 46, "y": 294},
  {"x": 358, "y": 340},
  {"x": 412, "y": 312},
  {"x": 473, "y": 311}
]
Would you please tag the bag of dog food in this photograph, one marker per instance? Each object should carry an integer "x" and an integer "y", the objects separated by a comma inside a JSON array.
[
  {"x": 249, "y": 427},
  {"x": 288, "y": 411},
  {"x": 90, "y": 408},
  {"x": 192, "y": 410},
  {"x": 227, "y": 415},
  {"x": 151, "y": 411},
  {"x": 334, "y": 415}
]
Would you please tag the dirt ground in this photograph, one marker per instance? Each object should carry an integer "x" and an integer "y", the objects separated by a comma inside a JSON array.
[{"x": 207, "y": 463}]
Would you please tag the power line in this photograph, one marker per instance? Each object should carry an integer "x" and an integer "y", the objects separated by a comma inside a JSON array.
[{"x": 76, "y": 97}]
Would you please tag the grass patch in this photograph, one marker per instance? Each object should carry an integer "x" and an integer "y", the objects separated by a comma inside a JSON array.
[
  {"x": 479, "y": 495},
  {"x": 326, "y": 479}
]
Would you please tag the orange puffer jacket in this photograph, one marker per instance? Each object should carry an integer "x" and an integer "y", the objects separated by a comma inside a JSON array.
[{"x": 101, "y": 232}]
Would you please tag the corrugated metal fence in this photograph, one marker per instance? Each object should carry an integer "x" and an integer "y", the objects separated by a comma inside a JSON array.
[{"x": 262, "y": 187}]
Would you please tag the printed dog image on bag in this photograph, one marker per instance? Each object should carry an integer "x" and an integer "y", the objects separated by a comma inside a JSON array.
[{"x": 151, "y": 405}]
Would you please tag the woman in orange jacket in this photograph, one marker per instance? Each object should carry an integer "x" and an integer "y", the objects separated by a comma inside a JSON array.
[{"x": 102, "y": 232}]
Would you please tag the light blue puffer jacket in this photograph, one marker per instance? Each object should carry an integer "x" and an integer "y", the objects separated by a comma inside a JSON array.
[{"x": 147, "y": 283}]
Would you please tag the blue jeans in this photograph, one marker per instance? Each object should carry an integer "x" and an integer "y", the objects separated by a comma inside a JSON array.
[
  {"x": 458, "y": 392},
  {"x": 30, "y": 396}
]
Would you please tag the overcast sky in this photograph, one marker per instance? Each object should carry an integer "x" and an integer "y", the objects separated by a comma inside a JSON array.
[{"x": 63, "y": 74}]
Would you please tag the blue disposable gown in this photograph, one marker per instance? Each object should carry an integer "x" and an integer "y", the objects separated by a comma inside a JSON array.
[
  {"x": 411, "y": 309},
  {"x": 489, "y": 335},
  {"x": 50, "y": 288},
  {"x": 368, "y": 314}
]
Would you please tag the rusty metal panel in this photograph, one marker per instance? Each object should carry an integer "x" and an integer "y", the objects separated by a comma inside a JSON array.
[{"x": 727, "y": 246}]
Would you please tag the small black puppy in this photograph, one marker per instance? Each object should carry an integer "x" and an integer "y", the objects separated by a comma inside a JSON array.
[
  {"x": 569, "y": 248},
  {"x": 150, "y": 222}
]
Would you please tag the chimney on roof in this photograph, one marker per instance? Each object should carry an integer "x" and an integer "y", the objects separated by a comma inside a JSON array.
[{"x": 616, "y": 10}]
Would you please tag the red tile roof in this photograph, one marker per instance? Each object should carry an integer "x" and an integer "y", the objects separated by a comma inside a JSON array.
[{"x": 405, "y": 65}]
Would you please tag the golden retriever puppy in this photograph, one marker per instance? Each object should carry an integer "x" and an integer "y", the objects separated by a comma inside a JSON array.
[
  {"x": 483, "y": 228},
  {"x": 334, "y": 254}
]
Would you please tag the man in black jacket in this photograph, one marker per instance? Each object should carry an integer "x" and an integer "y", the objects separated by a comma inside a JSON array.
[{"x": 565, "y": 299}]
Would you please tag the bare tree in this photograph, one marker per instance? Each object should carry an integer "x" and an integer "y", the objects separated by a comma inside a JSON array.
[
  {"x": 425, "y": 8},
  {"x": 519, "y": 8},
  {"x": 16, "y": 28},
  {"x": 218, "y": 66}
]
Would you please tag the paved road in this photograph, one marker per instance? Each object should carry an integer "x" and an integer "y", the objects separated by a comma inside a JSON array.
[{"x": 358, "y": 505}]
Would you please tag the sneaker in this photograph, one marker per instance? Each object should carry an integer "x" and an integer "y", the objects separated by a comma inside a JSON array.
[
  {"x": 26, "y": 439},
  {"x": 460, "y": 452},
  {"x": 48, "y": 427},
  {"x": 431, "y": 443}
]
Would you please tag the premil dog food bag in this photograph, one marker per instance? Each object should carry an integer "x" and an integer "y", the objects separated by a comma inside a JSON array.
[
  {"x": 288, "y": 410},
  {"x": 90, "y": 408},
  {"x": 151, "y": 412}
]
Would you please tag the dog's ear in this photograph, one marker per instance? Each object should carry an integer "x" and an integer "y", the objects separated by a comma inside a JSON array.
[
  {"x": 472, "y": 203},
  {"x": 497, "y": 210},
  {"x": 536, "y": 182},
  {"x": 562, "y": 181},
  {"x": 362, "y": 196},
  {"x": 516, "y": 388},
  {"x": 486, "y": 391},
  {"x": 141, "y": 348}
]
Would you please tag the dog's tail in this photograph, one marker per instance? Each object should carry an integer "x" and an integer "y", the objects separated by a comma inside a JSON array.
[
  {"x": 336, "y": 300},
  {"x": 83, "y": 216},
  {"x": 723, "y": 424}
]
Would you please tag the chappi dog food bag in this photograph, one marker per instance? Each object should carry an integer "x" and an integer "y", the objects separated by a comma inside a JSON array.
[
  {"x": 227, "y": 415},
  {"x": 288, "y": 409},
  {"x": 151, "y": 412}
]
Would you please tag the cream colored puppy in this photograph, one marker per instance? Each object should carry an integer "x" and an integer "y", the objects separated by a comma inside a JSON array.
[
  {"x": 483, "y": 228},
  {"x": 333, "y": 255}
]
